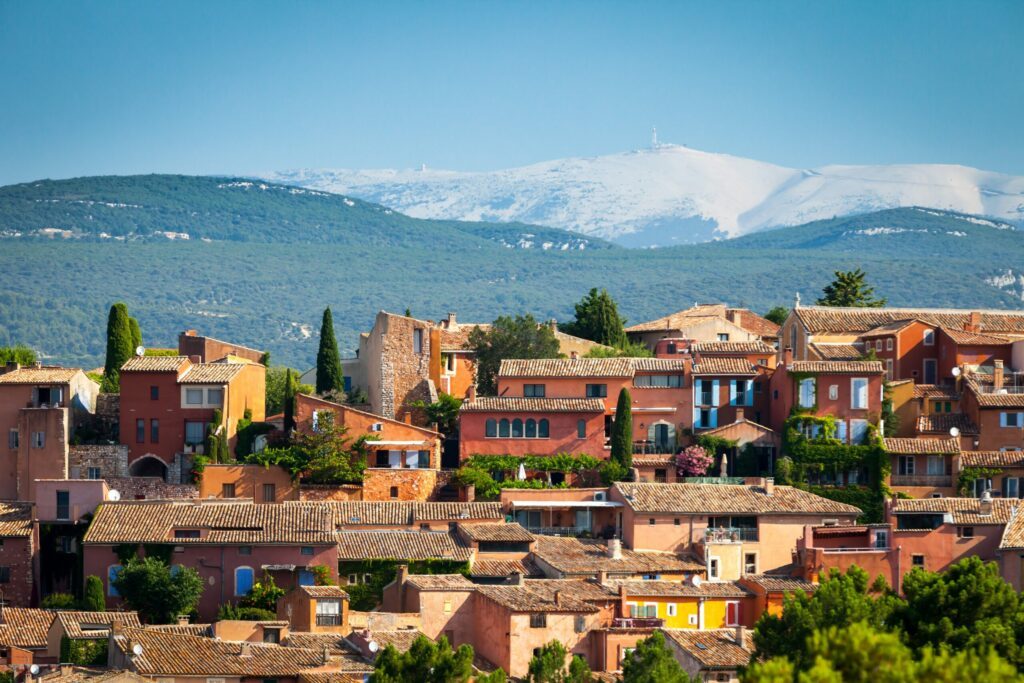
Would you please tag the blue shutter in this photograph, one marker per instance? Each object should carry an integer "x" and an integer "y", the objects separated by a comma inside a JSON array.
[
  {"x": 732, "y": 392},
  {"x": 750, "y": 392},
  {"x": 112, "y": 573},
  {"x": 1002, "y": 419},
  {"x": 714, "y": 416},
  {"x": 243, "y": 581},
  {"x": 697, "y": 389},
  {"x": 306, "y": 578},
  {"x": 841, "y": 430},
  {"x": 714, "y": 393},
  {"x": 696, "y": 417}
]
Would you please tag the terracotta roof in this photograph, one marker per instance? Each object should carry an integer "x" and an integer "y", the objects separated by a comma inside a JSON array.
[
  {"x": 440, "y": 582},
  {"x": 781, "y": 584},
  {"x": 980, "y": 387},
  {"x": 519, "y": 404},
  {"x": 401, "y": 545},
  {"x": 319, "y": 676},
  {"x": 727, "y": 498},
  {"x": 236, "y": 522},
  {"x": 888, "y": 329},
  {"x": 15, "y": 520},
  {"x": 93, "y": 625},
  {"x": 749, "y": 321},
  {"x": 1013, "y": 534},
  {"x": 992, "y": 459},
  {"x": 43, "y": 375},
  {"x": 526, "y": 599},
  {"x": 714, "y": 648},
  {"x": 719, "y": 365},
  {"x": 705, "y": 589},
  {"x": 185, "y": 629},
  {"x": 667, "y": 460},
  {"x": 495, "y": 568},
  {"x": 923, "y": 446},
  {"x": 171, "y": 654},
  {"x": 732, "y": 348},
  {"x": 403, "y": 513},
  {"x": 941, "y": 423},
  {"x": 323, "y": 591},
  {"x": 211, "y": 373},
  {"x": 81, "y": 674},
  {"x": 581, "y": 589},
  {"x": 944, "y": 391},
  {"x": 509, "y": 531},
  {"x": 334, "y": 642},
  {"x": 838, "y": 367},
  {"x": 155, "y": 364},
  {"x": 847, "y": 352},
  {"x": 25, "y": 627},
  {"x": 587, "y": 367},
  {"x": 400, "y": 639},
  {"x": 578, "y": 556},
  {"x": 963, "y": 510},
  {"x": 964, "y": 338},
  {"x": 819, "y": 319}
]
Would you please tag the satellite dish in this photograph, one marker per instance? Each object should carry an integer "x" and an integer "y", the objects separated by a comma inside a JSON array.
[
  {"x": 114, "y": 495},
  {"x": 956, "y": 372},
  {"x": 137, "y": 650},
  {"x": 954, "y": 432},
  {"x": 373, "y": 646},
  {"x": 34, "y": 669},
  {"x": 140, "y": 350},
  {"x": 696, "y": 581}
]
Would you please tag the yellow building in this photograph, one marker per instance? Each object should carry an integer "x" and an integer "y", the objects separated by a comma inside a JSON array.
[{"x": 693, "y": 604}]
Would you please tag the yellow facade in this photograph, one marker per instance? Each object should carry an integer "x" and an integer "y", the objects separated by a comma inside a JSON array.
[{"x": 690, "y": 612}]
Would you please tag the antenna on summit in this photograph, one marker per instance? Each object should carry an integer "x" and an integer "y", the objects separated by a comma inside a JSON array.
[{"x": 654, "y": 137}]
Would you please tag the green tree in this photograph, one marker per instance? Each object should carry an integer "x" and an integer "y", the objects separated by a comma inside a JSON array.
[
  {"x": 329, "y": 375},
  {"x": 579, "y": 671},
  {"x": 133, "y": 327},
  {"x": 849, "y": 288},
  {"x": 290, "y": 389},
  {"x": 652, "y": 662},
  {"x": 425, "y": 662},
  {"x": 18, "y": 353},
  {"x": 548, "y": 665},
  {"x": 444, "y": 412},
  {"x": 119, "y": 347},
  {"x": 519, "y": 337},
  {"x": 777, "y": 314},
  {"x": 622, "y": 431},
  {"x": 627, "y": 350},
  {"x": 326, "y": 456},
  {"x": 276, "y": 379},
  {"x": 496, "y": 676},
  {"x": 263, "y": 594},
  {"x": 92, "y": 596},
  {"x": 157, "y": 593},
  {"x": 598, "y": 319},
  {"x": 59, "y": 601}
]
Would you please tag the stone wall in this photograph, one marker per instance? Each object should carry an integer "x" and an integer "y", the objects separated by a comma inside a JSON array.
[
  {"x": 317, "y": 492},
  {"x": 409, "y": 484},
  {"x": 112, "y": 461},
  {"x": 16, "y": 555},
  {"x": 405, "y": 374},
  {"x": 151, "y": 488}
]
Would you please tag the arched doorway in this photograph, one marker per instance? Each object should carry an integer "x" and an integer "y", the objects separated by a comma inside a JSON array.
[{"x": 148, "y": 466}]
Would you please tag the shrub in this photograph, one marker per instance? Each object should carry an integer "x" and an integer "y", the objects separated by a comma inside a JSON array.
[{"x": 59, "y": 601}]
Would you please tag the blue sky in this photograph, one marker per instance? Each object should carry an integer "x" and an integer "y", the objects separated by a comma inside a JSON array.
[{"x": 234, "y": 87}]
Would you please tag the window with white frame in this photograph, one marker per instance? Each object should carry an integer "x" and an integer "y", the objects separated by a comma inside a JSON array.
[
  {"x": 671, "y": 609},
  {"x": 215, "y": 396},
  {"x": 38, "y": 439},
  {"x": 858, "y": 431},
  {"x": 888, "y": 344},
  {"x": 878, "y": 345},
  {"x": 807, "y": 392},
  {"x": 12, "y": 438},
  {"x": 928, "y": 337},
  {"x": 713, "y": 568},
  {"x": 417, "y": 340},
  {"x": 833, "y": 392},
  {"x": 859, "y": 393},
  {"x": 936, "y": 465},
  {"x": 194, "y": 397}
]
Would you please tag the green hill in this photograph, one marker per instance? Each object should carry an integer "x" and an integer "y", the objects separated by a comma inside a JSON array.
[{"x": 276, "y": 256}]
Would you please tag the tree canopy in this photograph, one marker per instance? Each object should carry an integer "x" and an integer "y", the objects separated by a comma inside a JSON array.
[
  {"x": 158, "y": 592},
  {"x": 622, "y": 431},
  {"x": 324, "y": 455},
  {"x": 329, "y": 375},
  {"x": 425, "y": 662},
  {"x": 119, "y": 346},
  {"x": 508, "y": 337},
  {"x": 652, "y": 662},
  {"x": 598, "y": 319},
  {"x": 17, "y": 354},
  {"x": 777, "y": 314},
  {"x": 850, "y": 288}
]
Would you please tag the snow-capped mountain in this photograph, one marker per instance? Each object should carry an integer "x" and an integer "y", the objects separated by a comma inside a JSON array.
[{"x": 671, "y": 194}]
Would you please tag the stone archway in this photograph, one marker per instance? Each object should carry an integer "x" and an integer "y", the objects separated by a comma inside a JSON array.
[{"x": 148, "y": 466}]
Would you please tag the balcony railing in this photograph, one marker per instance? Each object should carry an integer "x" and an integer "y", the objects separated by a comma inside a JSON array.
[
  {"x": 922, "y": 480},
  {"x": 637, "y": 622},
  {"x": 560, "y": 530},
  {"x": 328, "y": 620},
  {"x": 727, "y": 534},
  {"x": 652, "y": 448}
]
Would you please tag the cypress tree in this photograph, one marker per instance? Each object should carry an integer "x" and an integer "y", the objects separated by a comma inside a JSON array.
[
  {"x": 119, "y": 347},
  {"x": 92, "y": 597},
  {"x": 289, "y": 400},
  {"x": 133, "y": 325},
  {"x": 329, "y": 376},
  {"x": 598, "y": 319},
  {"x": 622, "y": 431}
]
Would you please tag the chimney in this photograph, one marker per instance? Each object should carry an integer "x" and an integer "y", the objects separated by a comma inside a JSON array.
[
  {"x": 553, "y": 324},
  {"x": 741, "y": 632},
  {"x": 602, "y": 576},
  {"x": 973, "y": 322},
  {"x": 246, "y": 650},
  {"x": 190, "y": 333},
  {"x": 327, "y": 655},
  {"x": 116, "y": 626},
  {"x": 997, "y": 375},
  {"x": 558, "y": 598},
  {"x": 402, "y": 574},
  {"x": 407, "y": 417},
  {"x": 450, "y": 322},
  {"x": 614, "y": 548},
  {"x": 182, "y": 620},
  {"x": 516, "y": 579},
  {"x": 985, "y": 505},
  {"x": 787, "y": 356},
  {"x": 470, "y": 493},
  {"x": 769, "y": 486},
  {"x": 196, "y": 360},
  {"x": 623, "y": 606},
  {"x": 472, "y": 392},
  {"x": 735, "y": 316},
  {"x": 574, "y": 355},
  {"x": 740, "y": 415}
]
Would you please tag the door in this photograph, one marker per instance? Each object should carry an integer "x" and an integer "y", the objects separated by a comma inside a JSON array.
[
  {"x": 931, "y": 370},
  {"x": 661, "y": 438}
]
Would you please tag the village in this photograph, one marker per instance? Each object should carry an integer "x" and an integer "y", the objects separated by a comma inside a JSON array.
[{"x": 667, "y": 484}]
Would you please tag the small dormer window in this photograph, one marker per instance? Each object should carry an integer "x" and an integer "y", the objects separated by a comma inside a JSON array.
[{"x": 186, "y": 533}]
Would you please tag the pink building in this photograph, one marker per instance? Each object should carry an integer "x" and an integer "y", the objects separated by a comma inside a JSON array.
[{"x": 512, "y": 425}]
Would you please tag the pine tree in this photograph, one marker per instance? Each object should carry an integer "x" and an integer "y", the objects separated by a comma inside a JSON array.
[
  {"x": 598, "y": 319},
  {"x": 92, "y": 598},
  {"x": 329, "y": 376},
  {"x": 136, "y": 331},
  {"x": 850, "y": 289},
  {"x": 119, "y": 347},
  {"x": 289, "y": 400},
  {"x": 622, "y": 431},
  {"x": 653, "y": 662}
]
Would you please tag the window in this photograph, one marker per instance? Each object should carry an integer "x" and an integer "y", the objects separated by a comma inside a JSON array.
[
  {"x": 517, "y": 428},
  {"x": 243, "y": 581},
  {"x": 542, "y": 428},
  {"x": 597, "y": 391},
  {"x": 888, "y": 344},
  {"x": 38, "y": 439},
  {"x": 878, "y": 345},
  {"x": 906, "y": 465},
  {"x": 271, "y": 635},
  {"x": 154, "y": 431},
  {"x": 676, "y": 521},
  {"x": 227, "y": 491},
  {"x": 538, "y": 621},
  {"x": 713, "y": 568},
  {"x": 306, "y": 577},
  {"x": 580, "y": 624},
  {"x": 651, "y": 521},
  {"x": 448, "y": 360},
  {"x": 269, "y": 493},
  {"x": 533, "y": 390},
  {"x": 581, "y": 429},
  {"x": 917, "y": 560},
  {"x": 393, "y": 492},
  {"x": 928, "y": 337},
  {"x": 491, "y": 428},
  {"x": 732, "y": 613},
  {"x": 5, "y": 574},
  {"x": 245, "y": 550},
  {"x": 858, "y": 431},
  {"x": 965, "y": 531},
  {"x": 531, "y": 428},
  {"x": 1011, "y": 487},
  {"x": 660, "y": 381},
  {"x": 215, "y": 397},
  {"x": 12, "y": 438},
  {"x": 306, "y": 550},
  {"x": 154, "y": 393},
  {"x": 750, "y": 563},
  {"x": 194, "y": 397},
  {"x": 1011, "y": 419},
  {"x": 195, "y": 433},
  {"x": 936, "y": 465},
  {"x": 63, "y": 505},
  {"x": 882, "y": 538},
  {"x": 186, "y": 533},
  {"x": 706, "y": 392},
  {"x": 723, "y": 336},
  {"x": 859, "y": 393},
  {"x": 113, "y": 571},
  {"x": 888, "y": 368},
  {"x": 671, "y": 609},
  {"x": 504, "y": 428},
  {"x": 328, "y": 612},
  {"x": 94, "y": 473},
  {"x": 807, "y": 392},
  {"x": 833, "y": 392},
  {"x": 741, "y": 395},
  {"x": 417, "y": 340},
  {"x": 447, "y": 607},
  {"x": 704, "y": 418}
]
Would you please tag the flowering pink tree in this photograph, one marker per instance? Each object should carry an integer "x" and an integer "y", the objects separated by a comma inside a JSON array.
[{"x": 693, "y": 461}]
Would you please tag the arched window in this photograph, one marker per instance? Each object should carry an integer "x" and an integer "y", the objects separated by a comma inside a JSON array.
[
  {"x": 531, "y": 429},
  {"x": 112, "y": 573},
  {"x": 517, "y": 428},
  {"x": 503, "y": 429},
  {"x": 243, "y": 581},
  {"x": 581, "y": 429},
  {"x": 491, "y": 428},
  {"x": 542, "y": 428}
]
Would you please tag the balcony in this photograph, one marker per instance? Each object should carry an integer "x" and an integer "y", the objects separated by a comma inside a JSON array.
[
  {"x": 652, "y": 448},
  {"x": 328, "y": 620},
  {"x": 922, "y": 480},
  {"x": 731, "y": 534},
  {"x": 576, "y": 531},
  {"x": 637, "y": 622}
]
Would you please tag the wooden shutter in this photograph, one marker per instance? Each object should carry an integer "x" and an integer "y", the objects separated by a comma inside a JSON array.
[{"x": 732, "y": 392}]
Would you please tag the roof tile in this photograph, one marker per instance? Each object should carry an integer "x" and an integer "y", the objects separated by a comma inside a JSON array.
[
  {"x": 727, "y": 498},
  {"x": 838, "y": 367},
  {"x": 518, "y": 404},
  {"x": 922, "y": 446}
]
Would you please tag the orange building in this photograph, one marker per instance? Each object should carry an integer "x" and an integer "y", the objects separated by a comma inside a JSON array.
[
  {"x": 512, "y": 425},
  {"x": 921, "y": 468},
  {"x": 263, "y": 484},
  {"x": 209, "y": 350}
]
